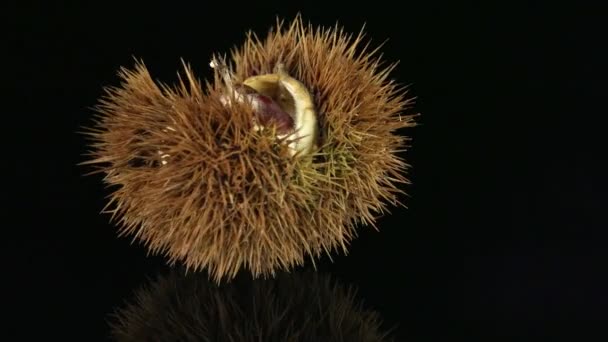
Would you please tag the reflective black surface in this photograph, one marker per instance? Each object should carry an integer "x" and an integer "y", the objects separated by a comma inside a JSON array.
[{"x": 504, "y": 234}]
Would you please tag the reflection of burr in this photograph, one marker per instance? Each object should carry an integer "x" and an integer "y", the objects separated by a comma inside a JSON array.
[
  {"x": 252, "y": 171},
  {"x": 291, "y": 307}
]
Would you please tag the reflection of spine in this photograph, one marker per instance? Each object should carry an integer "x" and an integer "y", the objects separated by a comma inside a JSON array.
[{"x": 291, "y": 307}]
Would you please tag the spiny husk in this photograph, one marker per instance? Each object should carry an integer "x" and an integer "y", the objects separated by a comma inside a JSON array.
[
  {"x": 226, "y": 197},
  {"x": 294, "y": 307}
]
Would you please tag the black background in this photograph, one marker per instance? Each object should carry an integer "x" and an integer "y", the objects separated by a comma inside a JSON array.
[{"x": 504, "y": 234}]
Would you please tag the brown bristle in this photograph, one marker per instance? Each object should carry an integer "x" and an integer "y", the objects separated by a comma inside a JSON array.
[{"x": 198, "y": 184}]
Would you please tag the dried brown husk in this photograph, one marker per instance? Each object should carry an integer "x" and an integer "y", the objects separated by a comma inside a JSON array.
[{"x": 192, "y": 180}]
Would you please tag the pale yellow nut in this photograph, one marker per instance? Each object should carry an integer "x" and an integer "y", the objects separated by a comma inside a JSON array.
[{"x": 295, "y": 99}]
